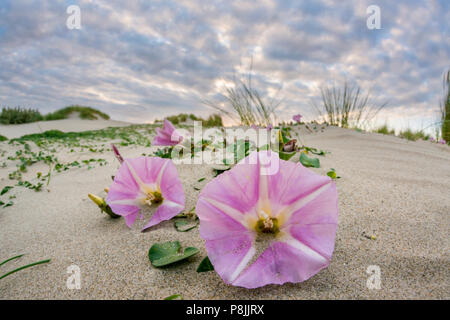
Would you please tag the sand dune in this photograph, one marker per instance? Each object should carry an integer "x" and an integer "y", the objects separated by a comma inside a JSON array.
[
  {"x": 394, "y": 189},
  {"x": 66, "y": 125}
]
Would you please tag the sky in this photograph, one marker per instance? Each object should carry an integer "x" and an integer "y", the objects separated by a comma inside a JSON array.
[{"x": 144, "y": 60}]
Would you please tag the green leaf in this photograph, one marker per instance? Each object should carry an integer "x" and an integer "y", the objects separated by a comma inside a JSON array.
[
  {"x": 286, "y": 155},
  {"x": 183, "y": 225},
  {"x": 163, "y": 254},
  {"x": 7, "y": 260},
  {"x": 205, "y": 265},
  {"x": 24, "y": 267},
  {"x": 5, "y": 190},
  {"x": 285, "y": 135},
  {"x": 9, "y": 204},
  {"x": 315, "y": 151},
  {"x": 331, "y": 174},
  {"x": 309, "y": 162},
  {"x": 201, "y": 179},
  {"x": 219, "y": 169},
  {"x": 174, "y": 297}
]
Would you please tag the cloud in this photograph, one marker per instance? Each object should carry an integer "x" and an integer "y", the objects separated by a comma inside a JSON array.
[{"x": 143, "y": 60}]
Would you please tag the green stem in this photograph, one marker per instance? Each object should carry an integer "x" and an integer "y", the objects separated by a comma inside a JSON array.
[
  {"x": 7, "y": 260},
  {"x": 24, "y": 267}
]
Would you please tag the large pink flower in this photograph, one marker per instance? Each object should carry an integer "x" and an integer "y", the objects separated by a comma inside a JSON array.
[
  {"x": 144, "y": 182},
  {"x": 263, "y": 228},
  {"x": 167, "y": 136}
]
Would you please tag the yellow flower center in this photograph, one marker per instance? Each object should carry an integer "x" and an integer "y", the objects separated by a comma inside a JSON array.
[
  {"x": 266, "y": 224},
  {"x": 154, "y": 197}
]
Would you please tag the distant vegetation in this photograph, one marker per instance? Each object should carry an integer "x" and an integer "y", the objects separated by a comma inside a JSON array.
[
  {"x": 385, "y": 130},
  {"x": 408, "y": 133},
  {"x": 214, "y": 120},
  {"x": 413, "y": 135},
  {"x": 346, "y": 106},
  {"x": 87, "y": 113},
  {"x": 20, "y": 115}
]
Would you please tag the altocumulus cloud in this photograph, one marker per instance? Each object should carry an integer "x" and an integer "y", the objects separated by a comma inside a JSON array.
[{"x": 141, "y": 60}]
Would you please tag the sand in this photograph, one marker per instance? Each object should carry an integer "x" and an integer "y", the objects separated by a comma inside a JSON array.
[
  {"x": 66, "y": 125},
  {"x": 392, "y": 188}
]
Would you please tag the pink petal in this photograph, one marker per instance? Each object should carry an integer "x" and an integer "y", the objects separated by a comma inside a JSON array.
[
  {"x": 281, "y": 263},
  {"x": 165, "y": 211},
  {"x": 237, "y": 188}
]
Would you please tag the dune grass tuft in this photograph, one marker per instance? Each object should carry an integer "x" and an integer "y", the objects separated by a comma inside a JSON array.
[
  {"x": 245, "y": 104},
  {"x": 384, "y": 129},
  {"x": 413, "y": 135},
  {"x": 346, "y": 106}
]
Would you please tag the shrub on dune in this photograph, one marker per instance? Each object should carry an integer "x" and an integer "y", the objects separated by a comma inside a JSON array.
[{"x": 19, "y": 115}]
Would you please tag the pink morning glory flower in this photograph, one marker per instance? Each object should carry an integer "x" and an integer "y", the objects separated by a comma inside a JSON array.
[
  {"x": 442, "y": 141},
  {"x": 167, "y": 136},
  {"x": 268, "y": 227},
  {"x": 145, "y": 182},
  {"x": 297, "y": 117},
  {"x": 269, "y": 127}
]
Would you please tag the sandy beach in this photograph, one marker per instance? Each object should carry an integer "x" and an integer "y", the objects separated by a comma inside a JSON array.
[{"x": 394, "y": 189}]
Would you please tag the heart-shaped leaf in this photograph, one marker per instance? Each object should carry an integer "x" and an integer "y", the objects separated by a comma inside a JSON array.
[
  {"x": 205, "y": 265},
  {"x": 286, "y": 155},
  {"x": 309, "y": 162},
  {"x": 183, "y": 225},
  {"x": 163, "y": 254}
]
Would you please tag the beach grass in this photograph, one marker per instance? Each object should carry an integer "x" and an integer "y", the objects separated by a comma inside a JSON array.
[
  {"x": 384, "y": 129},
  {"x": 346, "y": 106},
  {"x": 445, "y": 108},
  {"x": 245, "y": 105},
  {"x": 413, "y": 135}
]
